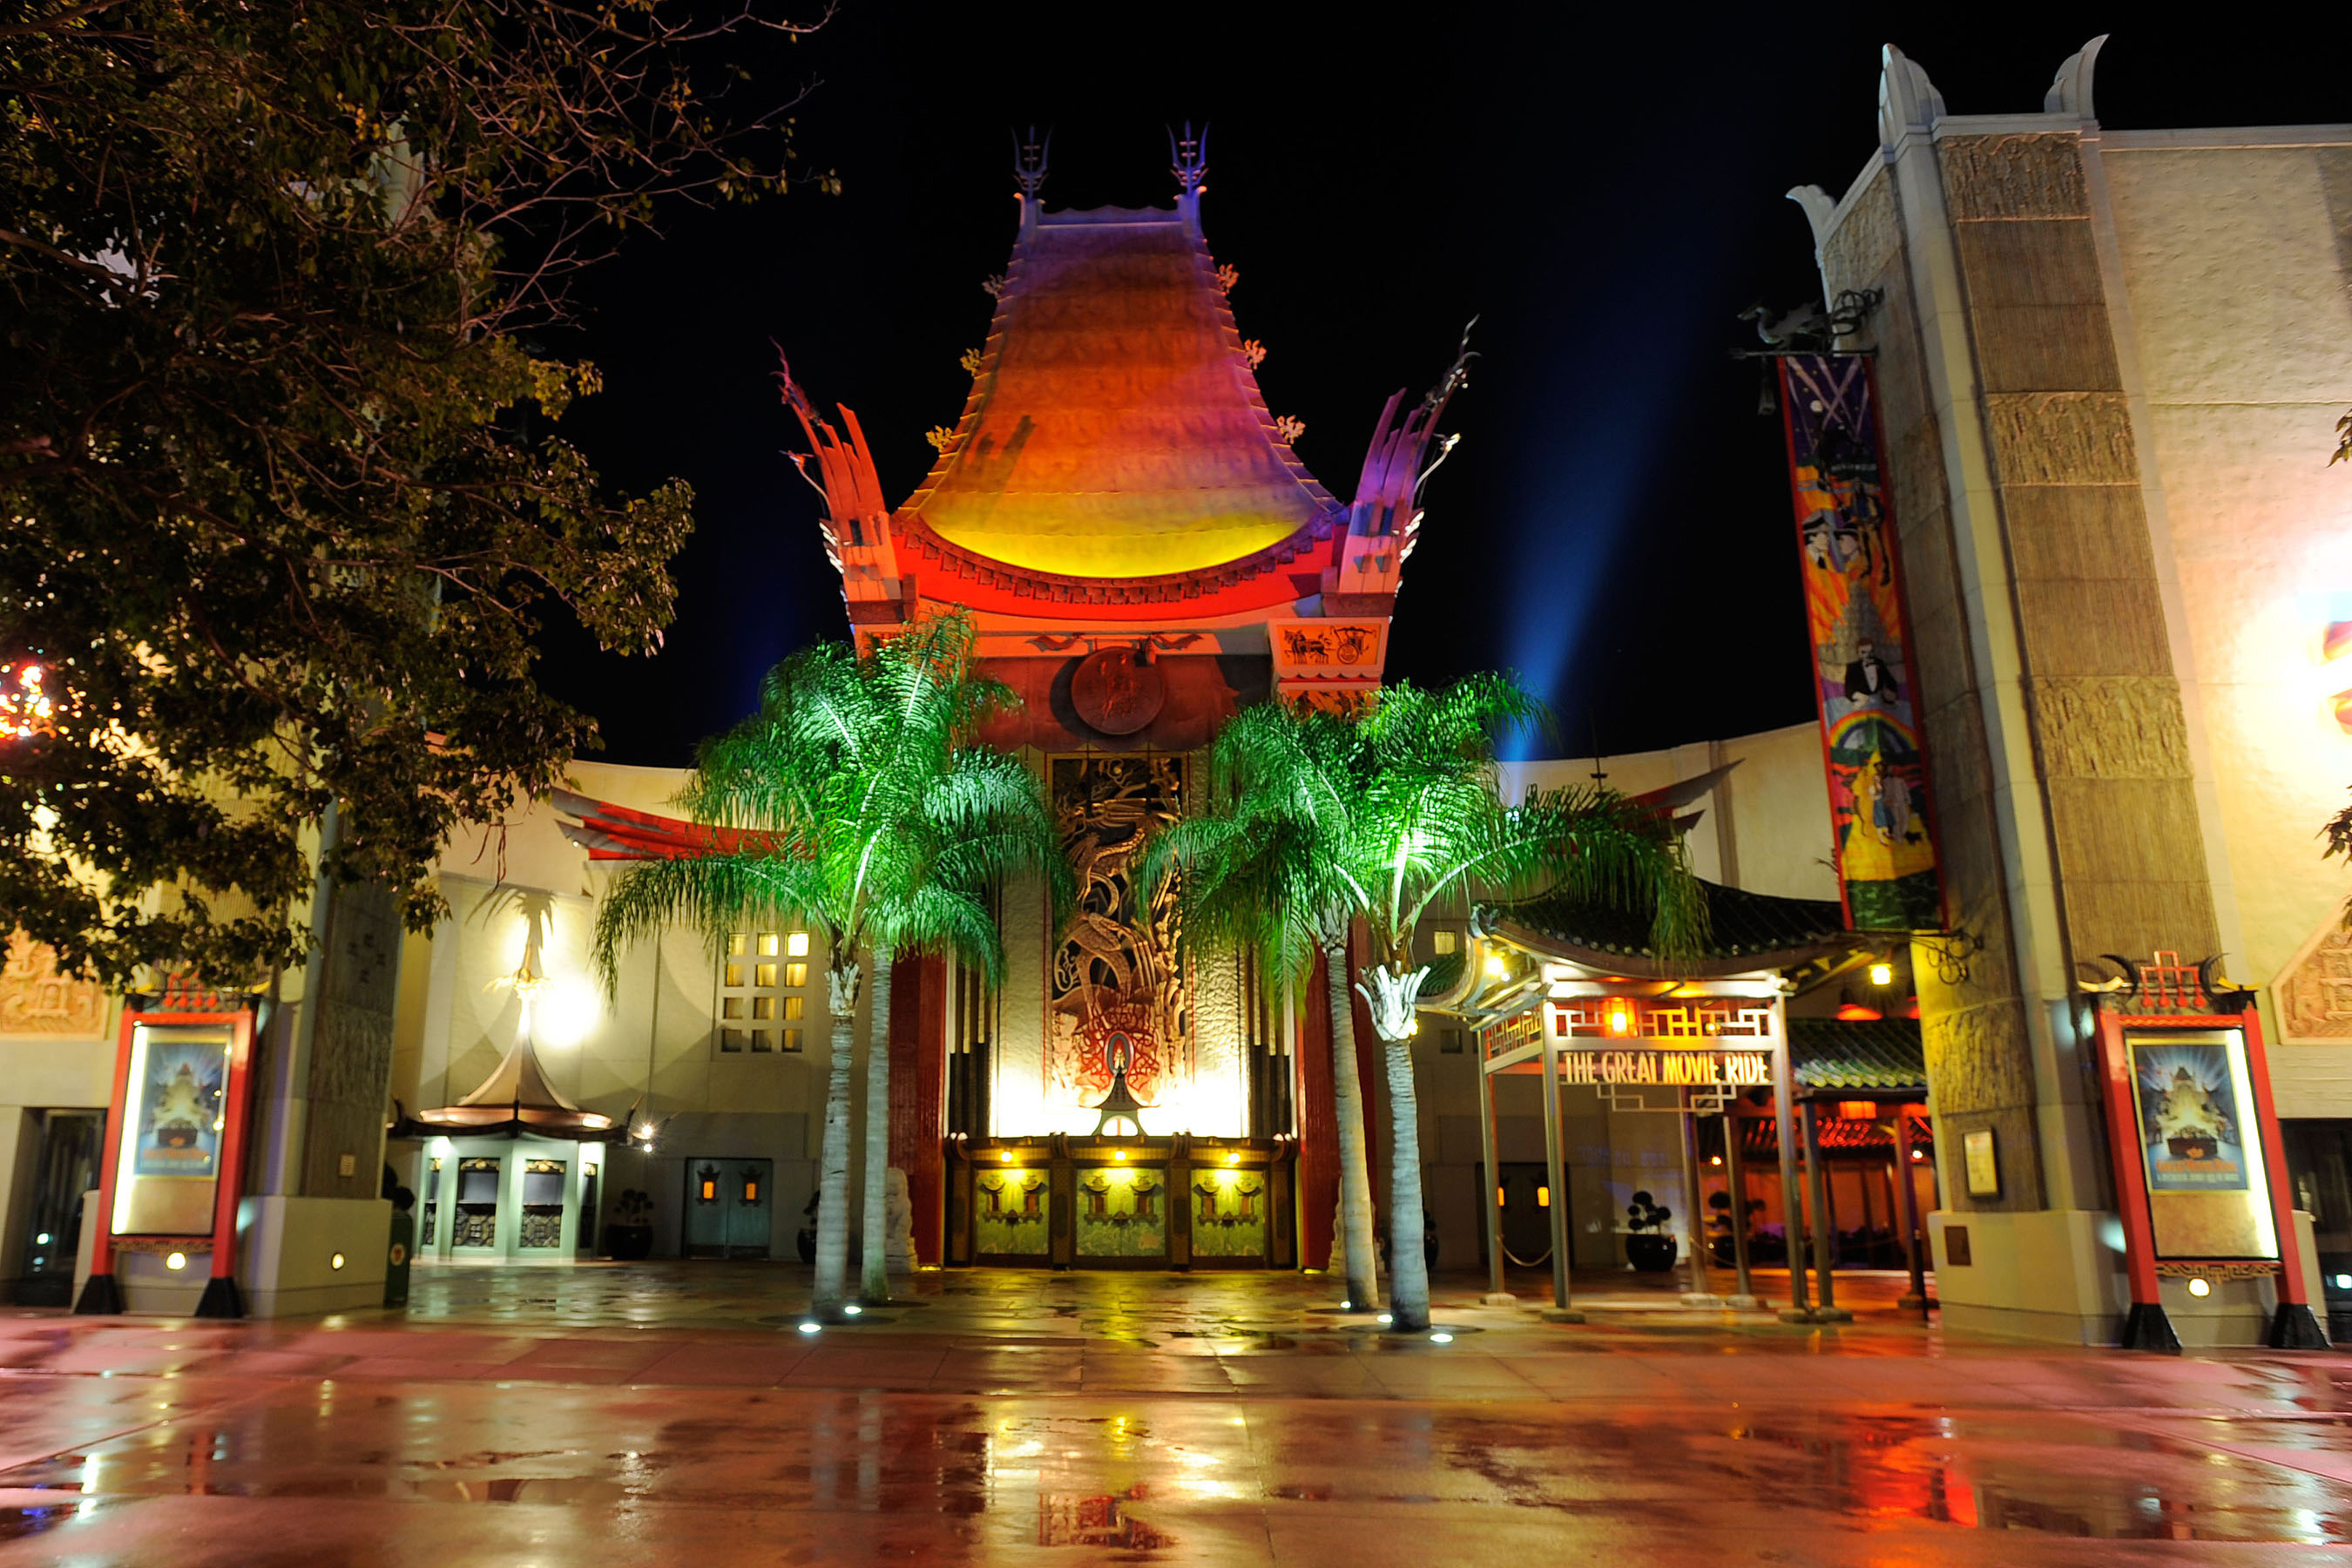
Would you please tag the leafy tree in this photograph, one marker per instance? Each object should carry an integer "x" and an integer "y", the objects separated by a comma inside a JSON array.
[
  {"x": 2338, "y": 833},
  {"x": 285, "y": 499},
  {"x": 1382, "y": 813},
  {"x": 854, "y": 802}
]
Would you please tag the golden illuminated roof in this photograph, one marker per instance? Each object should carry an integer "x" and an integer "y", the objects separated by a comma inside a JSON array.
[{"x": 1115, "y": 429}]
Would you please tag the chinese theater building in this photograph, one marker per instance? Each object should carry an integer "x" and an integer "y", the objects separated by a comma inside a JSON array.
[{"x": 1143, "y": 554}]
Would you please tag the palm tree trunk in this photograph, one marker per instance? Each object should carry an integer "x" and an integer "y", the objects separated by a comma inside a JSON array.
[
  {"x": 1391, "y": 993},
  {"x": 1408, "y": 1255},
  {"x": 833, "y": 1157},
  {"x": 1355, "y": 1167},
  {"x": 874, "y": 1250}
]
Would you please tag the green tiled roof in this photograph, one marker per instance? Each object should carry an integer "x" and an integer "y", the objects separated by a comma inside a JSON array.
[
  {"x": 1740, "y": 924},
  {"x": 1859, "y": 1054},
  {"x": 1445, "y": 973}
]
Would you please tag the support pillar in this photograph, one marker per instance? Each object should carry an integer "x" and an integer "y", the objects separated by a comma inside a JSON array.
[
  {"x": 1561, "y": 1310},
  {"x": 1492, "y": 1199},
  {"x": 1701, "y": 1293},
  {"x": 1906, "y": 1207},
  {"x": 1735, "y": 1165},
  {"x": 1792, "y": 1201},
  {"x": 1824, "y": 1226}
]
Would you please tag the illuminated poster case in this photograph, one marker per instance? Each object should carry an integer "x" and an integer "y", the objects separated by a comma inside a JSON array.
[
  {"x": 2199, "y": 1175},
  {"x": 174, "y": 1155}
]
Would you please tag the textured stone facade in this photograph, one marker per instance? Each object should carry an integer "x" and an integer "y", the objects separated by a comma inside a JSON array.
[
  {"x": 2104, "y": 704},
  {"x": 1979, "y": 1057}
]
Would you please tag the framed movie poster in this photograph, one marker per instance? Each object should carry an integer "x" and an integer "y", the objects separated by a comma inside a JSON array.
[
  {"x": 2199, "y": 1144},
  {"x": 174, "y": 1115}
]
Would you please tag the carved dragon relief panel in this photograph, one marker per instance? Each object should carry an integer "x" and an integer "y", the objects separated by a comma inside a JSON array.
[{"x": 1113, "y": 978}]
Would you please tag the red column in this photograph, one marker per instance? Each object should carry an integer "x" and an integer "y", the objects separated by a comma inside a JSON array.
[{"x": 919, "y": 1094}]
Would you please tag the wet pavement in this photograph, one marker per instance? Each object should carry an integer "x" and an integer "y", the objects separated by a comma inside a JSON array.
[{"x": 674, "y": 1412}]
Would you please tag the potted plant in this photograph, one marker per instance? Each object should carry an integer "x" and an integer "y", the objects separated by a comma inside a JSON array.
[
  {"x": 1648, "y": 1247},
  {"x": 630, "y": 1236}
]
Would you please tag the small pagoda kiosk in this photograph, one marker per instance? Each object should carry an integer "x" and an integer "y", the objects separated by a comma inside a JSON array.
[{"x": 511, "y": 1169}]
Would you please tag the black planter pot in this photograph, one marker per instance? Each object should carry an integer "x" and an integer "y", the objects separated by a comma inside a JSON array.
[
  {"x": 1650, "y": 1252},
  {"x": 627, "y": 1243}
]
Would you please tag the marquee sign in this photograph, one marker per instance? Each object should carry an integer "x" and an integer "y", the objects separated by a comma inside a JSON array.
[
  {"x": 1865, "y": 689},
  {"x": 1673, "y": 1069}
]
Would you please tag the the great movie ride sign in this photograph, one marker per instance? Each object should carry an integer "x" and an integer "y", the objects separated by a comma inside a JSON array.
[{"x": 1586, "y": 1063}]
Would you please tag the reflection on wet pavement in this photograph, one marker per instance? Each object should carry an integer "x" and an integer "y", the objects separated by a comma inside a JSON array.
[{"x": 665, "y": 1413}]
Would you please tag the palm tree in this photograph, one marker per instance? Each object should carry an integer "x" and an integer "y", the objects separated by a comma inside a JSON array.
[
  {"x": 853, "y": 801},
  {"x": 1378, "y": 815},
  {"x": 1250, "y": 875}
]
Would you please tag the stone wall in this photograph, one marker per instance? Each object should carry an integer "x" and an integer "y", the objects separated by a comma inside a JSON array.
[{"x": 1980, "y": 1060}]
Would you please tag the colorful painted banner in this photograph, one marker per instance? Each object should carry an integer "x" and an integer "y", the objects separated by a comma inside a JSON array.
[{"x": 1865, "y": 682}]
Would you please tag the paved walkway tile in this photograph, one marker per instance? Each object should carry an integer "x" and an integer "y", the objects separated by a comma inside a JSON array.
[{"x": 665, "y": 1414}]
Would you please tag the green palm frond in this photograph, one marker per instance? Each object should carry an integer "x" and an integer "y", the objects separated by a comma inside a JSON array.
[
  {"x": 1390, "y": 810},
  {"x": 713, "y": 893},
  {"x": 878, "y": 819}
]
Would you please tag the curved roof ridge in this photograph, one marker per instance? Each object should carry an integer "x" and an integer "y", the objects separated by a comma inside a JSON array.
[{"x": 1132, "y": 433}]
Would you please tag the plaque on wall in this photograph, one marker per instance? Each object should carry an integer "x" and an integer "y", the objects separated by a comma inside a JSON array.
[{"x": 1983, "y": 1167}]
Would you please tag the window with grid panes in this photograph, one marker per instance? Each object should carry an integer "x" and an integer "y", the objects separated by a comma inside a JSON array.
[{"x": 763, "y": 992}]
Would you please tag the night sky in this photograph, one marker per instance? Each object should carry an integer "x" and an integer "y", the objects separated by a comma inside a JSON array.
[{"x": 1615, "y": 522}]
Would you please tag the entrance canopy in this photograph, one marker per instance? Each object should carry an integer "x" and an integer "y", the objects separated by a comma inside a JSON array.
[{"x": 1576, "y": 995}]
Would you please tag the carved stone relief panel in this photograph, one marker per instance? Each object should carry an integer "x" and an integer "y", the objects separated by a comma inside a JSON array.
[
  {"x": 1115, "y": 983},
  {"x": 35, "y": 999},
  {"x": 2012, "y": 176},
  {"x": 2313, "y": 995}
]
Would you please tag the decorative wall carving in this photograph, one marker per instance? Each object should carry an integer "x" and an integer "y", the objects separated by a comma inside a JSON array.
[
  {"x": 1859, "y": 251},
  {"x": 1339, "y": 645},
  {"x": 2112, "y": 728},
  {"x": 2062, "y": 438},
  {"x": 1112, "y": 978},
  {"x": 2314, "y": 995},
  {"x": 2013, "y": 176},
  {"x": 35, "y": 999}
]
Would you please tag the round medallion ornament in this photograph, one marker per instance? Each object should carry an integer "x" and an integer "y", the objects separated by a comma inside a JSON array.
[
  {"x": 1116, "y": 692},
  {"x": 399, "y": 1254}
]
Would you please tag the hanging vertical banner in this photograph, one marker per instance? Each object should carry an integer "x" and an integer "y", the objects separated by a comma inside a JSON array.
[{"x": 1863, "y": 677}]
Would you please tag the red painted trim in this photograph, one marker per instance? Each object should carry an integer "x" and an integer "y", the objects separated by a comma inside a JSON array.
[
  {"x": 918, "y": 1047},
  {"x": 230, "y": 1188},
  {"x": 2123, "y": 1154},
  {"x": 948, "y": 574},
  {"x": 101, "y": 1246},
  {"x": 2258, "y": 1068}
]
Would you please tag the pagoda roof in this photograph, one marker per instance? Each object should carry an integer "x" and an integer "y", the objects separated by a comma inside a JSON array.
[
  {"x": 1115, "y": 430},
  {"x": 516, "y": 1099}
]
